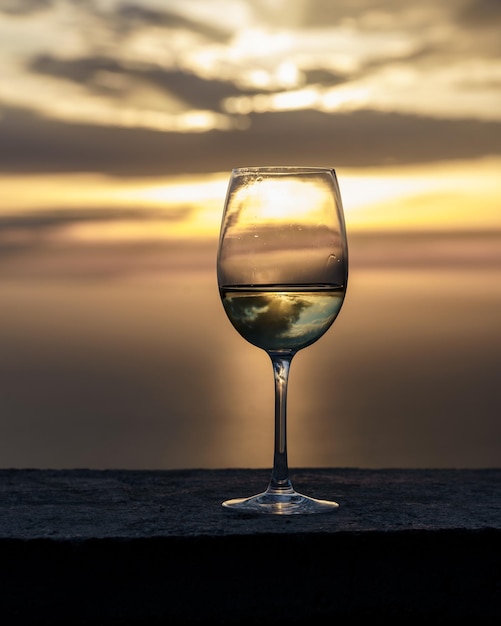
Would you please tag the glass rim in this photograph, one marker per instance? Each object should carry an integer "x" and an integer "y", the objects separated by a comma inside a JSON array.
[{"x": 282, "y": 169}]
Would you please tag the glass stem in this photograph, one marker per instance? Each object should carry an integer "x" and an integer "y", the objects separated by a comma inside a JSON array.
[{"x": 280, "y": 482}]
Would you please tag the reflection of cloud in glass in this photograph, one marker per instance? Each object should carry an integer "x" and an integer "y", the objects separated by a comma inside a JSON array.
[
  {"x": 265, "y": 317},
  {"x": 282, "y": 320}
]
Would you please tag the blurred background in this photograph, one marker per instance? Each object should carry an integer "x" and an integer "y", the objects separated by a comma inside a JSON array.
[{"x": 119, "y": 124}]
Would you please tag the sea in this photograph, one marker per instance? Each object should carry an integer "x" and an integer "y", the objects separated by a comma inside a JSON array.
[{"x": 120, "y": 356}]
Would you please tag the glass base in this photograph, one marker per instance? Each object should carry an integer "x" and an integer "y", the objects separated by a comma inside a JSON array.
[{"x": 289, "y": 503}]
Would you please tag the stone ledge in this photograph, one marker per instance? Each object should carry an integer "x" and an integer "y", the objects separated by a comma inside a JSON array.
[{"x": 117, "y": 548}]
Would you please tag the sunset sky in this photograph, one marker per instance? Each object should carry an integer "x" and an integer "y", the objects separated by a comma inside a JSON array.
[{"x": 122, "y": 119}]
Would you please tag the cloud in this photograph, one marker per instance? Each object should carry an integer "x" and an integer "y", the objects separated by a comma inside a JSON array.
[
  {"x": 390, "y": 82},
  {"x": 479, "y": 13},
  {"x": 45, "y": 220},
  {"x": 119, "y": 79},
  {"x": 24, "y": 7},
  {"x": 270, "y": 322},
  {"x": 128, "y": 17},
  {"x": 31, "y": 143},
  {"x": 371, "y": 14}
]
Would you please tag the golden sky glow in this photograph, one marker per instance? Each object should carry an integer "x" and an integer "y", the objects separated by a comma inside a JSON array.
[
  {"x": 264, "y": 47},
  {"x": 120, "y": 123},
  {"x": 142, "y": 109},
  {"x": 273, "y": 200},
  {"x": 450, "y": 196}
]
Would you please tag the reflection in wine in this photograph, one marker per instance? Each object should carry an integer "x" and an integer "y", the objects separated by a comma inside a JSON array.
[{"x": 282, "y": 317}]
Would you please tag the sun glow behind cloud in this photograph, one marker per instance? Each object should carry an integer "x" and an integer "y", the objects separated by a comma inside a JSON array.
[
  {"x": 414, "y": 60},
  {"x": 120, "y": 121},
  {"x": 448, "y": 197},
  {"x": 216, "y": 71}
]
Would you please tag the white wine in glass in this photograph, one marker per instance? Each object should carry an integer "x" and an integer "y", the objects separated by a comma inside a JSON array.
[{"x": 282, "y": 270}]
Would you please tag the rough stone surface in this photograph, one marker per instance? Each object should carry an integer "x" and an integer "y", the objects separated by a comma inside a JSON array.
[
  {"x": 95, "y": 504},
  {"x": 156, "y": 547}
]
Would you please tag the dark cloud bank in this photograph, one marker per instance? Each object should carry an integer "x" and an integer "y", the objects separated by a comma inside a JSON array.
[{"x": 30, "y": 143}]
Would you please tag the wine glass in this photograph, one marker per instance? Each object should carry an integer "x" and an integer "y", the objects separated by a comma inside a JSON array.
[{"x": 282, "y": 270}]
